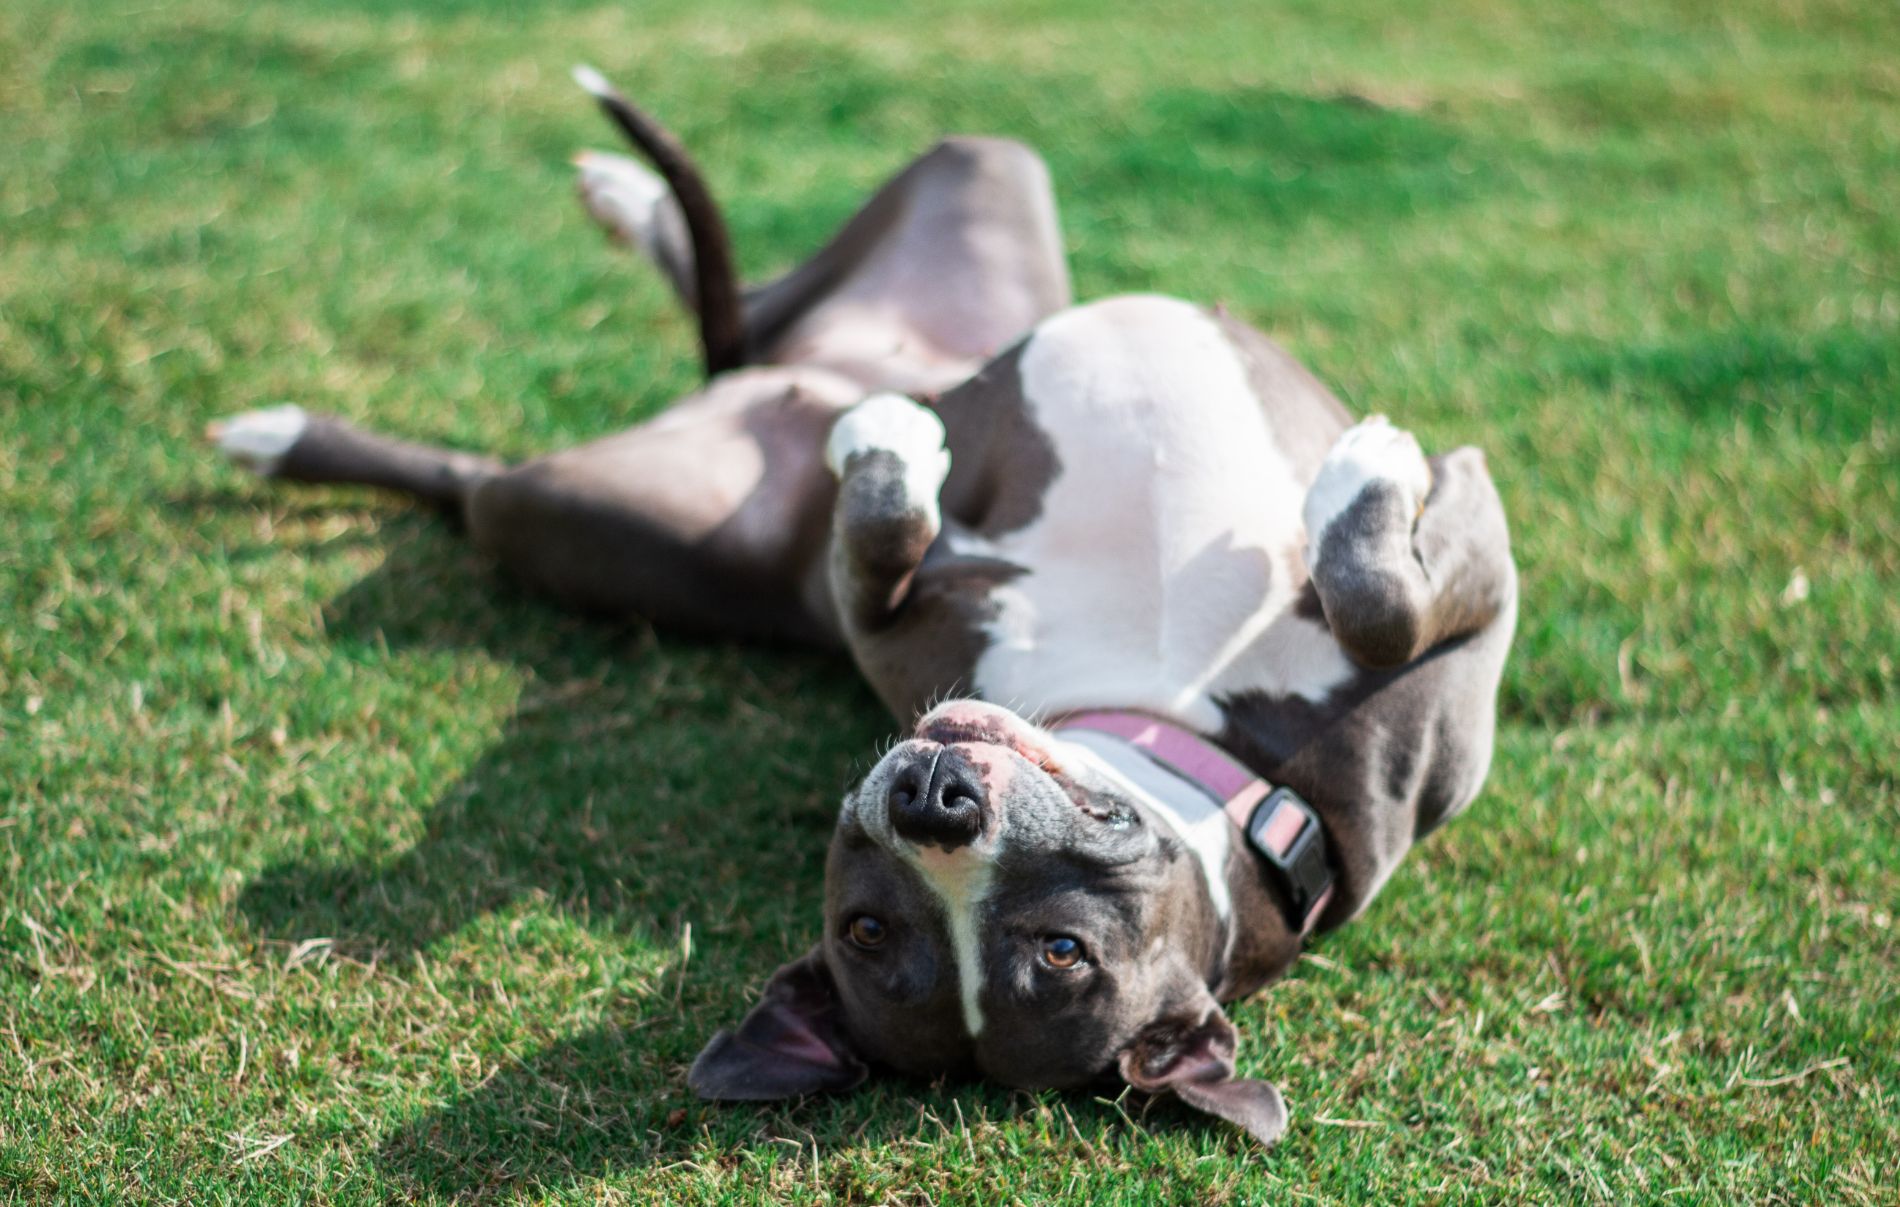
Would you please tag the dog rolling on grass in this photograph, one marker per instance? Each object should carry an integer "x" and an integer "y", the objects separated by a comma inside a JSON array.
[{"x": 1186, "y": 659}]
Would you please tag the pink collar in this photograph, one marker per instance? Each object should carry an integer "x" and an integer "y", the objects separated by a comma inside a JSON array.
[{"x": 1281, "y": 827}]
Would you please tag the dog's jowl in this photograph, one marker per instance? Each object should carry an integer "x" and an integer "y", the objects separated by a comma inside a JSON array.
[{"x": 1186, "y": 659}]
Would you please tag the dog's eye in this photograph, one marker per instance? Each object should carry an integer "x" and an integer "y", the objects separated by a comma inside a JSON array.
[
  {"x": 866, "y": 931},
  {"x": 1061, "y": 951}
]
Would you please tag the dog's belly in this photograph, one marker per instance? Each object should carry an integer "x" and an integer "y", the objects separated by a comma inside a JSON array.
[{"x": 1163, "y": 565}]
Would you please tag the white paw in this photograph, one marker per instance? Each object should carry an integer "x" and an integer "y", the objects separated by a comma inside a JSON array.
[
  {"x": 258, "y": 440},
  {"x": 898, "y": 425},
  {"x": 1370, "y": 451},
  {"x": 627, "y": 199}
]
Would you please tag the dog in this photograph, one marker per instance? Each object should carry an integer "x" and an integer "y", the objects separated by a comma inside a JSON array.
[{"x": 1186, "y": 659}]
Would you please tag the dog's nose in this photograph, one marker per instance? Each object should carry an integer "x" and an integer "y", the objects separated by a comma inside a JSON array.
[{"x": 938, "y": 800}]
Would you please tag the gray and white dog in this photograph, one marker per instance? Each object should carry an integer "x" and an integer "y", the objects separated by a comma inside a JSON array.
[{"x": 1187, "y": 659}]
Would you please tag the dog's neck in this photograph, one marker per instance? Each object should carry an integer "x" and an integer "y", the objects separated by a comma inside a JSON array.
[{"x": 1263, "y": 854}]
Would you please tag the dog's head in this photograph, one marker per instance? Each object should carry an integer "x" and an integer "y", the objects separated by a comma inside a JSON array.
[{"x": 1002, "y": 902}]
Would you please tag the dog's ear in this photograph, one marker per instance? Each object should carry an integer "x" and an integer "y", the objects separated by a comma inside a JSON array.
[
  {"x": 791, "y": 1043},
  {"x": 1190, "y": 1053}
]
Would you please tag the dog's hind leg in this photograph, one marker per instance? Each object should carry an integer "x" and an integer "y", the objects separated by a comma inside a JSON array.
[
  {"x": 1405, "y": 553},
  {"x": 710, "y": 517},
  {"x": 289, "y": 442},
  {"x": 947, "y": 264}
]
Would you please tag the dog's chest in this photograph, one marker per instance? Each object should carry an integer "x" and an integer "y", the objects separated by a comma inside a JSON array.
[{"x": 1162, "y": 567}]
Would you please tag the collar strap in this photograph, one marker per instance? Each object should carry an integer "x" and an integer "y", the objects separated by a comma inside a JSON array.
[{"x": 1281, "y": 827}]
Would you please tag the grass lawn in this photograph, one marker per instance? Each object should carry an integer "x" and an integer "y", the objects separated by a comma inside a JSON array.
[{"x": 332, "y": 869}]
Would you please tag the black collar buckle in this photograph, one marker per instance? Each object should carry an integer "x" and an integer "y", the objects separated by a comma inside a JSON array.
[{"x": 1285, "y": 831}]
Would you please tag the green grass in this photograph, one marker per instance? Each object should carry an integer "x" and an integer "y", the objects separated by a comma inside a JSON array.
[{"x": 332, "y": 869}]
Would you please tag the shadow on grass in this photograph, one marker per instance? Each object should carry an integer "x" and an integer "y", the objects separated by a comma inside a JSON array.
[
  {"x": 639, "y": 781},
  {"x": 640, "y": 784},
  {"x": 643, "y": 783}
]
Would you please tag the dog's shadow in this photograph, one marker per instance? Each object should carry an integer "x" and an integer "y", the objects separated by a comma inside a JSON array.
[
  {"x": 642, "y": 784},
  {"x": 641, "y": 780}
]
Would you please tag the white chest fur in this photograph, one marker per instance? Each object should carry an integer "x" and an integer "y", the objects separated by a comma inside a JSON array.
[{"x": 1159, "y": 573}]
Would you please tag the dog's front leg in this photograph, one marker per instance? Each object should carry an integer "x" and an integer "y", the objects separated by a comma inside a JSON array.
[
  {"x": 888, "y": 453},
  {"x": 1405, "y": 552}
]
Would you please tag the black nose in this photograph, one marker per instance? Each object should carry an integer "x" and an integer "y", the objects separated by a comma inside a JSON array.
[{"x": 938, "y": 799}]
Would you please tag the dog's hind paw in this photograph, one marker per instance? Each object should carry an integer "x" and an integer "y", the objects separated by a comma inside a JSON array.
[
  {"x": 1370, "y": 451},
  {"x": 635, "y": 207},
  {"x": 622, "y": 195},
  {"x": 259, "y": 440}
]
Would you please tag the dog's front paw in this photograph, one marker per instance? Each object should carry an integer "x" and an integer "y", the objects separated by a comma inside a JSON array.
[
  {"x": 259, "y": 440},
  {"x": 1368, "y": 452},
  {"x": 907, "y": 430}
]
